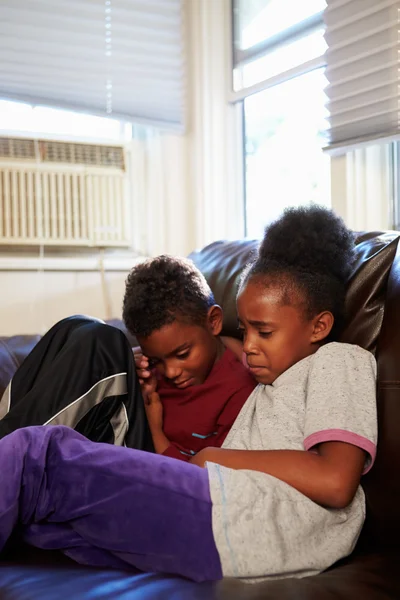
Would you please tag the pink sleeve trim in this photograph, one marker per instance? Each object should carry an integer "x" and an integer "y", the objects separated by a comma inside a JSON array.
[{"x": 341, "y": 435}]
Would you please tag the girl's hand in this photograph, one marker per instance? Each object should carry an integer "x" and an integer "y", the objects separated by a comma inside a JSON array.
[{"x": 205, "y": 455}]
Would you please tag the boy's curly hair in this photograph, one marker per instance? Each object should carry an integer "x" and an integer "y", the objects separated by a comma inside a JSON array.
[
  {"x": 162, "y": 289},
  {"x": 311, "y": 251}
]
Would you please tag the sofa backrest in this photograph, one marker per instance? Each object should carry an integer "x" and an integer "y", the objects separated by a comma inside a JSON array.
[
  {"x": 13, "y": 350},
  {"x": 373, "y": 322}
]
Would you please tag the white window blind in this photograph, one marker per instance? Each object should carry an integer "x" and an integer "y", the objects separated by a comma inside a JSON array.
[
  {"x": 124, "y": 58},
  {"x": 363, "y": 63}
]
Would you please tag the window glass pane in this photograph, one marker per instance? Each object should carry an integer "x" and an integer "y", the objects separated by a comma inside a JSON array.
[
  {"x": 285, "y": 165},
  {"x": 20, "y": 117},
  {"x": 282, "y": 59},
  {"x": 257, "y": 20}
]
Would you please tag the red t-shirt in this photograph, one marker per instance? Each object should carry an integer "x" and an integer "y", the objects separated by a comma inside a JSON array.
[{"x": 202, "y": 415}]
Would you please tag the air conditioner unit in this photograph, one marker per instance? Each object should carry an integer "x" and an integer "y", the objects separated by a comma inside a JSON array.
[{"x": 63, "y": 194}]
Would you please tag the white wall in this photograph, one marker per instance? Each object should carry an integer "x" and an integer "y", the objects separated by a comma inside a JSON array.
[{"x": 30, "y": 302}]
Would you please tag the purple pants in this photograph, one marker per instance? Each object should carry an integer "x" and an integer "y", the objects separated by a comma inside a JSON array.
[{"x": 105, "y": 505}]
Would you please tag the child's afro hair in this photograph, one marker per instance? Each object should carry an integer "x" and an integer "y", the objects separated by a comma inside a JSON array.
[
  {"x": 309, "y": 252},
  {"x": 161, "y": 290}
]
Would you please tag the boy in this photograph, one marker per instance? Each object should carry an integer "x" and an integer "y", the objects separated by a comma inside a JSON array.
[
  {"x": 81, "y": 373},
  {"x": 194, "y": 386}
]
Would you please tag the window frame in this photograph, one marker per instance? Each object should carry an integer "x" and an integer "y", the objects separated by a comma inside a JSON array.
[
  {"x": 239, "y": 58},
  {"x": 295, "y": 32},
  {"x": 291, "y": 33}
]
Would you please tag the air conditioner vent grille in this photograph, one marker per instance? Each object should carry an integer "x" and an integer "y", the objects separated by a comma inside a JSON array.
[
  {"x": 17, "y": 148},
  {"x": 64, "y": 194}
]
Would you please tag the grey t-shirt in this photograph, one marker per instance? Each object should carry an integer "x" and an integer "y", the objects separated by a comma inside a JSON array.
[{"x": 262, "y": 526}]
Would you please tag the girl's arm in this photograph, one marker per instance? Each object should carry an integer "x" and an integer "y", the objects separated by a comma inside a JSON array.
[{"x": 329, "y": 477}]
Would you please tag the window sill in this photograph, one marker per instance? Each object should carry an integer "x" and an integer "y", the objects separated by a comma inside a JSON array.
[{"x": 92, "y": 263}]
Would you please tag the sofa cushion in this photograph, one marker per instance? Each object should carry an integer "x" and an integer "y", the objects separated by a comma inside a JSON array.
[
  {"x": 37, "y": 574},
  {"x": 12, "y": 352}
]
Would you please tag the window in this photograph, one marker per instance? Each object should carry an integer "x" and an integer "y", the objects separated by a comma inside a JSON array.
[
  {"x": 284, "y": 161},
  {"x": 22, "y": 118},
  {"x": 279, "y": 77}
]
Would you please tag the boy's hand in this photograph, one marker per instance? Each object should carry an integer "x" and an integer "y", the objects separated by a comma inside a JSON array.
[
  {"x": 154, "y": 412},
  {"x": 147, "y": 379}
]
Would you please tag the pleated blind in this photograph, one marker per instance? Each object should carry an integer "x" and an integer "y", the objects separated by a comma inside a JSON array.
[
  {"x": 363, "y": 63},
  {"x": 124, "y": 58}
]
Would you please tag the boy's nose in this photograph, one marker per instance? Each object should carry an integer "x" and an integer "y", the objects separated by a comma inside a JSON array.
[
  {"x": 249, "y": 347},
  {"x": 172, "y": 372}
]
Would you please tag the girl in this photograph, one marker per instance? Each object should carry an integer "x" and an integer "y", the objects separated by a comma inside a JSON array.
[{"x": 281, "y": 497}]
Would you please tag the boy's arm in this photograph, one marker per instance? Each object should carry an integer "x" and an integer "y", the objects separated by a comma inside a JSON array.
[
  {"x": 160, "y": 441},
  {"x": 152, "y": 402},
  {"x": 162, "y": 445},
  {"x": 154, "y": 413},
  {"x": 329, "y": 477}
]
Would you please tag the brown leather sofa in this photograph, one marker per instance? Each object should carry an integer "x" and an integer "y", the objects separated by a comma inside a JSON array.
[{"x": 372, "y": 572}]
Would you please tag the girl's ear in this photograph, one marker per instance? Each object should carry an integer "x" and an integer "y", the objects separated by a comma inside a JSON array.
[
  {"x": 322, "y": 326},
  {"x": 214, "y": 319}
]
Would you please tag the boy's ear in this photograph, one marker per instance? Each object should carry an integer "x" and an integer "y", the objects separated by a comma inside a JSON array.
[
  {"x": 214, "y": 319},
  {"x": 322, "y": 326}
]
